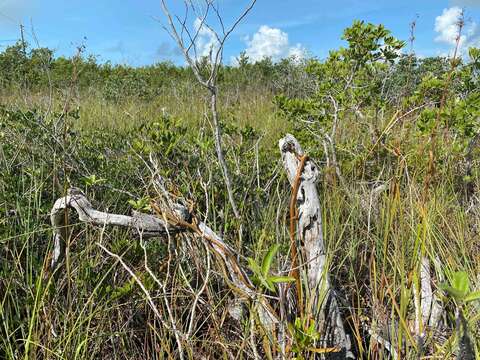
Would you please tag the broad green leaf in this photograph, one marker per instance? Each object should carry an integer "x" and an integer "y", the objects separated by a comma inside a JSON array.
[
  {"x": 458, "y": 295},
  {"x": 281, "y": 279},
  {"x": 298, "y": 323},
  {"x": 460, "y": 282},
  {"x": 311, "y": 328},
  {"x": 259, "y": 276},
  {"x": 474, "y": 295},
  {"x": 267, "y": 260}
]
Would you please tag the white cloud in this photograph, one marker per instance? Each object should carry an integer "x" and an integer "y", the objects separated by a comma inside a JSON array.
[
  {"x": 297, "y": 52},
  {"x": 206, "y": 42},
  {"x": 447, "y": 27},
  {"x": 273, "y": 43}
]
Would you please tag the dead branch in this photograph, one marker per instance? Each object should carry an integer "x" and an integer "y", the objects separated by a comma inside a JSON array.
[
  {"x": 171, "y": 221},
  {"x": 144, "y": 224}
]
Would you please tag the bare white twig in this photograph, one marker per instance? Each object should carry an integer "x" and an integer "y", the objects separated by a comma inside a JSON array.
[{"x": 150, "y": 301}]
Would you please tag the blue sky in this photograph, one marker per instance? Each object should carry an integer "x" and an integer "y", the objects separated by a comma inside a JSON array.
[{"x": 130, "y": 31}]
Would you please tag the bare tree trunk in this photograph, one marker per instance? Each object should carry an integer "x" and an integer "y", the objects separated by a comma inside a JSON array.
[
  {"x": 322, "y": 304},
  {"x": 428, "y": 307},
  {"x": 146, "y": 225},
  {"x": 219, "y": 149}
]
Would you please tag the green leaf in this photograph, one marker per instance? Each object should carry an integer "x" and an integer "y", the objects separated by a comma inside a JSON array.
[
  {"x": 311, "y": 328},
  {"x": 265, "y": 283},
  {"x": 140, "y": 204},
  {"x": 93, "y": 180},
  {"x": 458, "y": 295},
  {"x": 254, "y": 267},
  {"x": 298, "y": 323},
  {"x": 267, "y": 260},
  {"x": 460, "y": 282},
  {"x": 474, "y": 295},
  {"x": 270, "y": 285},
  {"x": 281, "y": 279}
]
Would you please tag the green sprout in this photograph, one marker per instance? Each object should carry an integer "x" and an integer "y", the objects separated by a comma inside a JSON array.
[{"x": 262, "y": 276}]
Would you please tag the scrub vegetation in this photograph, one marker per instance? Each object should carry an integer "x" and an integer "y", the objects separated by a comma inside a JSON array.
[{"x": 394, "y": 136}]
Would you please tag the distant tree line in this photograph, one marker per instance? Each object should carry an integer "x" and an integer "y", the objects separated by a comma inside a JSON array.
[{"x": 37, "y": 69}]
